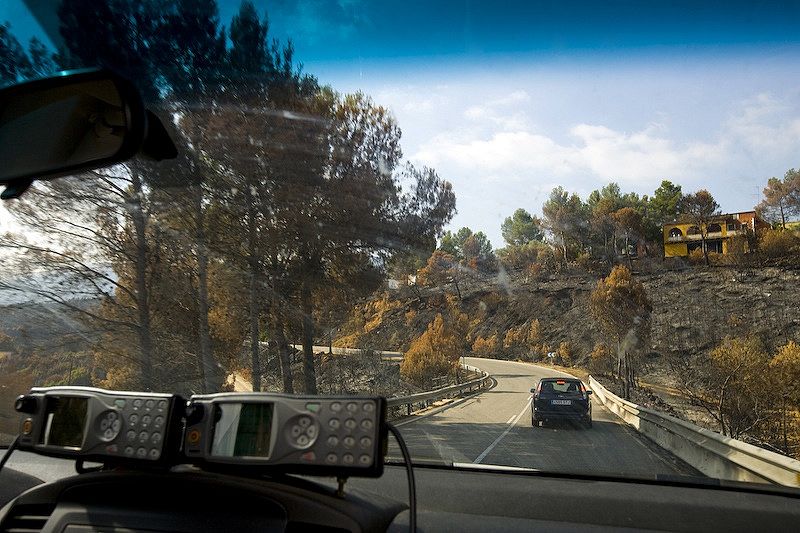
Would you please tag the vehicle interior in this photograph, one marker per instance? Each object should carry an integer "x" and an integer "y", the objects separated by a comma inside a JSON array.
[{"x": 197, "y": 221}]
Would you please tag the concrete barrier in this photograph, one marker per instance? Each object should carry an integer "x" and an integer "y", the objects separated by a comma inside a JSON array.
[{"x": 712, "y": 454}]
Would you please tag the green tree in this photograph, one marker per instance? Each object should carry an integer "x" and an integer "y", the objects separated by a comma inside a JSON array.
[
  {"x": 472, "y": 249},
  {"x": 700, "y": 208},
  {"x": 620, "y": 306},
  {"x": 453, "y": 243},
  {"x": 664, "y": 206},
  {"x": 666, "y": 203},
  {"x": 565, "y": 218},
  {"x": 781, "y": 198},
  {"x": 521, "y": 228}
]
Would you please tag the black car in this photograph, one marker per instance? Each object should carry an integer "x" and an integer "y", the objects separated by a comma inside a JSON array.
[{"x": 563, "y": 399}]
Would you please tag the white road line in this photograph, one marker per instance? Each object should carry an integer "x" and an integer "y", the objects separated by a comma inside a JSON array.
[
  {"x": 512, "y": 422},
  {"x": 510, "y": 419}
]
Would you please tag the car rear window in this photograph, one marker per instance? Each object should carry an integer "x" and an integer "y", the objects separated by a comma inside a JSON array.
[{"x": 562, "y": 386}]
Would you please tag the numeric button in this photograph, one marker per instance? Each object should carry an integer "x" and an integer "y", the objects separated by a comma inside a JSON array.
[
  {"x": 347, "y": 458},
  {"x": 334, "y": 423},
  {"x": 350, "y": 424}
]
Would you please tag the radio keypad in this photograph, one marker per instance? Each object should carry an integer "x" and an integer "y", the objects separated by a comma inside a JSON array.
[
  {"x": 349, "y": 433},
  {"x": 143, "y": 434}
]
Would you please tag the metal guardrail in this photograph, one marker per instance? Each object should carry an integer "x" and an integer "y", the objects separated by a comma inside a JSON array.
[
  {"x": 423, "y": 399},
  {"x": 712, "y": 454},
  {"x": 335, "y": 350}
]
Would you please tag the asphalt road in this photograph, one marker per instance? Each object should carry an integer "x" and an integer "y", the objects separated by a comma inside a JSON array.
[{"x": 494, "y": 427}]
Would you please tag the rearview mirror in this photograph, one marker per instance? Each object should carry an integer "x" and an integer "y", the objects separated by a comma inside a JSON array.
[
  {"x": 589, "y": 392},
  {"x": 77, "y": 121}
]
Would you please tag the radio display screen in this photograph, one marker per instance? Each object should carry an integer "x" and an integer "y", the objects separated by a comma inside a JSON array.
[
  {"x": 242, "y": 430},
  {"x": 65, "y": 421}
]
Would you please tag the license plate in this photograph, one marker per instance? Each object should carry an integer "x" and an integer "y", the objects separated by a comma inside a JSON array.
[{"x": 561, "y": 402}]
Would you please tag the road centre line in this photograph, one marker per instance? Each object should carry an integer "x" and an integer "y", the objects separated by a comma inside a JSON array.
[{"x": 512, "y": 422}]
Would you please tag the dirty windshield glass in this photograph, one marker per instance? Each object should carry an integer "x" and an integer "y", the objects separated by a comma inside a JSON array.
[{"x": 440, "y": 203}]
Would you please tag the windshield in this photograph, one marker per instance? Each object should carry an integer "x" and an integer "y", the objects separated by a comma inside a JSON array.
[{"x": 396, "y": 198}]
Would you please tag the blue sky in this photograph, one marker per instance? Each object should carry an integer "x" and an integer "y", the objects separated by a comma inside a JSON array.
[{"x": 507, "y": 102}]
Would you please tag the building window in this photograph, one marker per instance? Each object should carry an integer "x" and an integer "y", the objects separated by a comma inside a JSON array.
[
  {"x": 693, "y": 230},
  {"x": 714, "y": 228},
  {"x": 675, "y": 234}
]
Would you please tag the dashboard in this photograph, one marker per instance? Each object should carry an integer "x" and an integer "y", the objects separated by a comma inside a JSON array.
[
  {"x": 187, "y": 499},
  {"x": 268, "y": 462}
]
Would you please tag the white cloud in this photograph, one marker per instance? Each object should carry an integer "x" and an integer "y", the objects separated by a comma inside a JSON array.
[
  {"x": 765, "y": 127},
  {"x": 506, "y": 154},
  {"x": 506, "y": 146}
]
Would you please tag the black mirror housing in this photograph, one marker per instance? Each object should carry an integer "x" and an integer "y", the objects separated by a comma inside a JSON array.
[{"x": 77, "y": 121}]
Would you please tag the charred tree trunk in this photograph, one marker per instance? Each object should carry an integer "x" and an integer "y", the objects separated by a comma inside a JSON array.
[
  {"x": 283, "y": 351},
  {"x": 210, "y": 376},
  {"x": 142, "y": 289},
  {"x": 252, "y": 263},
  {"x": 309, "y": 373}
]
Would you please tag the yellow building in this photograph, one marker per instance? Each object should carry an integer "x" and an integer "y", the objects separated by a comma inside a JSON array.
[{"x": 682, "y": 238}]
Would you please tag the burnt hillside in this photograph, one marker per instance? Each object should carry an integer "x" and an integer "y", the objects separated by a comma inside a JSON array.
[{"x": 693, "y": 310}]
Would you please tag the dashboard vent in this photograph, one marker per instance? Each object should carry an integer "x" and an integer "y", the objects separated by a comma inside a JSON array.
[{"x": 26, "y": 519}]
